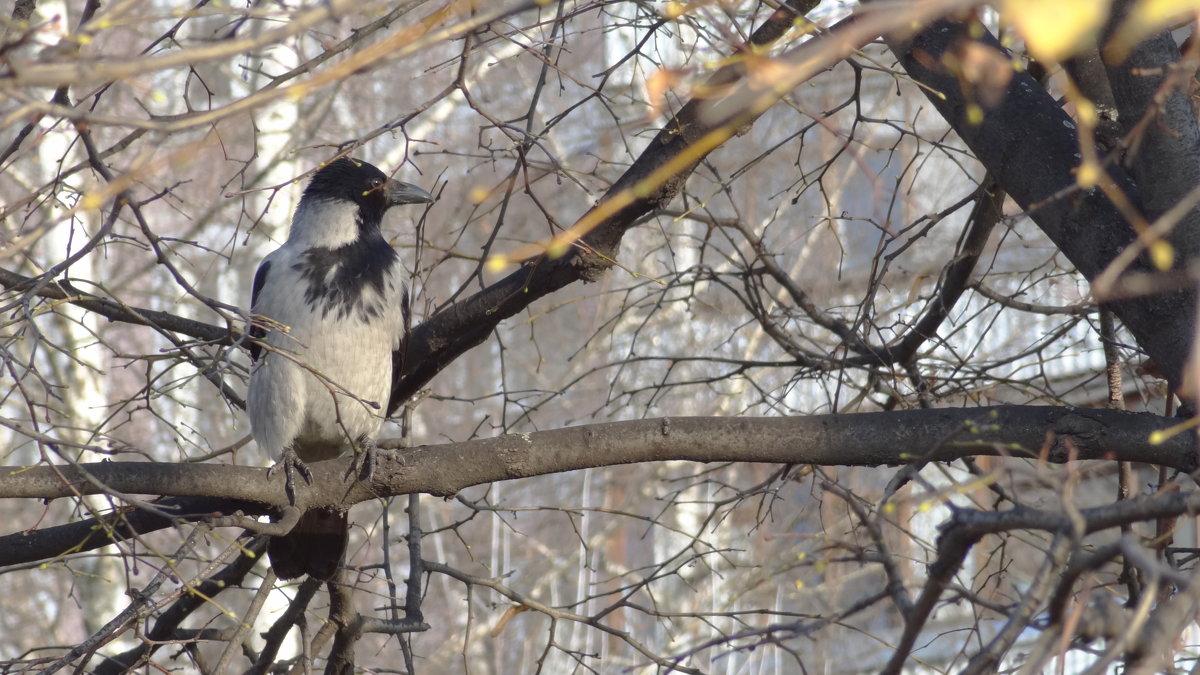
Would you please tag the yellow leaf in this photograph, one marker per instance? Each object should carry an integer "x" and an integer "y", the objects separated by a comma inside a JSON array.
[
  {"x": 1056, "y": 29},
  {"x": 1085, "y": 110},
  {"x": 1163, "y": 12},
  {"x": 674, "y": 10},
  {"x": 497, "y": 263},
  {"x": 766, "y": 72},
  {"x": 1087, "y": 175},
  {"x": 1162, "y": 255},
  {"x": 91, "y": 201},
  {"x": 987, "y": 70}
]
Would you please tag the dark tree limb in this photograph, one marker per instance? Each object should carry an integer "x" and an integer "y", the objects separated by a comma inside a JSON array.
[
  {"x": 64, "y": 291},
  {"x": 273, "y": 638},
  {"x": 967, "y": 526},
  {"x": 985, "y": 214},
  {"x": 344, "y": 617},
  {"x": 1089, "y": 75},
  {"x": 86, "y": 535},
  {"x": 169, "y": 621},
  {"x": 1150, "y": 92},
  {"x": 1032, "y": 148}
]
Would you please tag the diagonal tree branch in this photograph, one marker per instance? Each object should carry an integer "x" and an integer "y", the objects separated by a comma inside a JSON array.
[
  {"x": 653, "y": 180},
  {"x": 1031, "y": 146},
  {"x": 111, "y": 309}
]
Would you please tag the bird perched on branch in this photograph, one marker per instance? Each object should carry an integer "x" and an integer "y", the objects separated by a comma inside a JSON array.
[{"x": 330, "y": 309}]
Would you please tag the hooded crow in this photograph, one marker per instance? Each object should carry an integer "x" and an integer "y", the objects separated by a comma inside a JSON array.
[{"x": 330, "y": 309}]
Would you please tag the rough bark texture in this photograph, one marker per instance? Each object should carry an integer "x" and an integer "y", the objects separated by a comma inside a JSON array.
[
  {"x": 1164, "y": 157},
  {"x": 863, "y": 439}
]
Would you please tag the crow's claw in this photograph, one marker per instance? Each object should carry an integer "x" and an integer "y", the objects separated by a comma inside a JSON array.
[
  {"x": 291, "y": 464},
  {"x": 367, "y": 458}
]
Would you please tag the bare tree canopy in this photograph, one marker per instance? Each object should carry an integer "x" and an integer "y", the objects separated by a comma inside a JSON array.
[{"x": 746, "y": 336}]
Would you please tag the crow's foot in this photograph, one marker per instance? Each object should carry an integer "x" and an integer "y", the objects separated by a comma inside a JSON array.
[
  {"x": 291, "y": 465},
  {"x": 367, "y": 458}
]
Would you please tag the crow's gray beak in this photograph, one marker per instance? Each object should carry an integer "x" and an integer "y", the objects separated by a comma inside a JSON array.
[{"x": 406, "y": 193}]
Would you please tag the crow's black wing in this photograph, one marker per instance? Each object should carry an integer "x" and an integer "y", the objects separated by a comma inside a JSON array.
[
  {"x": 256, "y": 332},
  {"x": 398, "y": 356}
]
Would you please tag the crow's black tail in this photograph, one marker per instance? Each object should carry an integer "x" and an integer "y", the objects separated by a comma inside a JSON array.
[{"x": 314, "y": 547}]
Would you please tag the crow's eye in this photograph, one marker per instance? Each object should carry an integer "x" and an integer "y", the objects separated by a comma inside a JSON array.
[{"x": 376, "y": 182}]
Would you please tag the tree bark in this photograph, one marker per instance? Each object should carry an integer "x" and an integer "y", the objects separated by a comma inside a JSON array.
[
  {"x": 1055, "y": 434},
  {"x": 1032, "y": 148}
]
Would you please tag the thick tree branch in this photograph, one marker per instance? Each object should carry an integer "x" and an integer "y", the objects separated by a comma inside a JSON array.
[
  {"x": 865, "y": 439},
  {"x": 1032, "y": 148},
  {"x": 1149, "y": 90}
]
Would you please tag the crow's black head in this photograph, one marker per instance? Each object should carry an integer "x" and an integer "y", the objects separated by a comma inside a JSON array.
[
  {"x": 353, "y": 180},
  {"x": 341, "y": 252}
]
